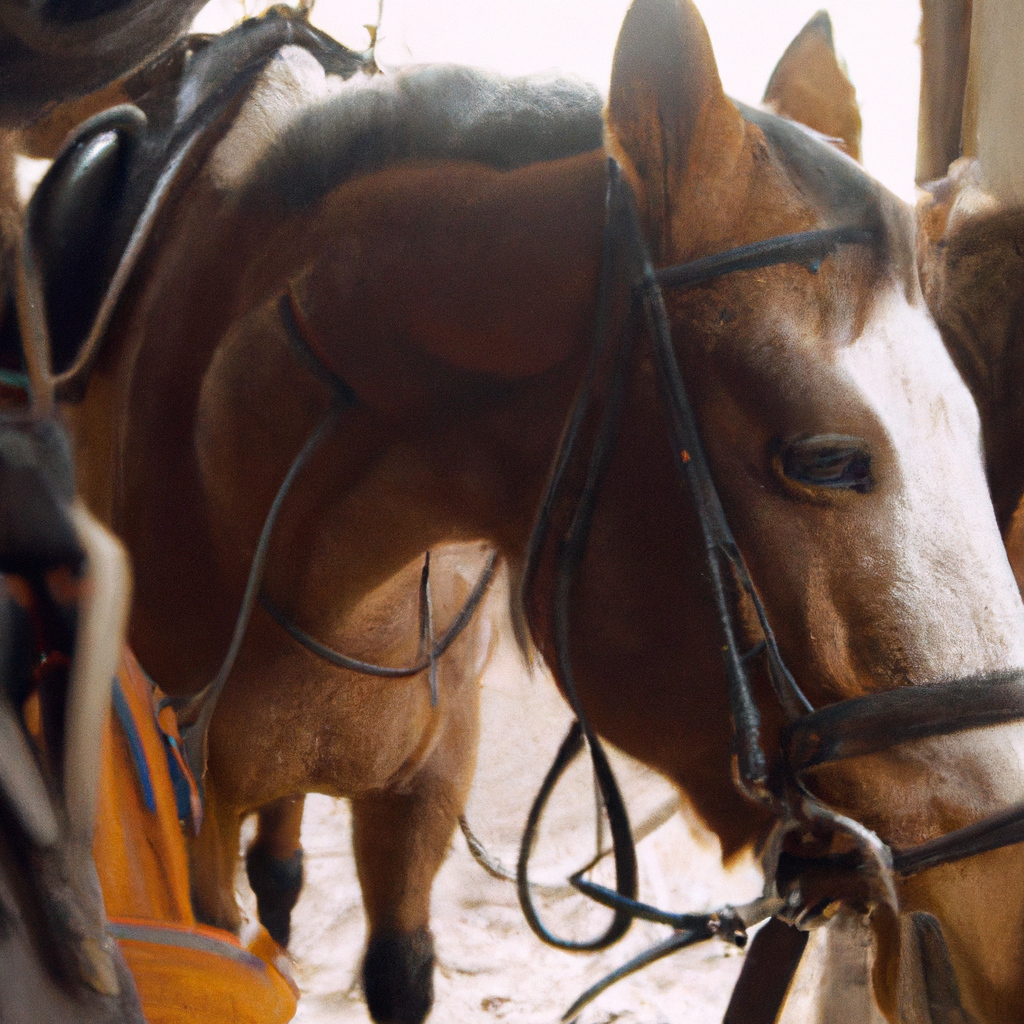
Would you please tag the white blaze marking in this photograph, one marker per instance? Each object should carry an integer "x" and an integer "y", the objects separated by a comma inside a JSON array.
[{"x": 952, "y": 575}]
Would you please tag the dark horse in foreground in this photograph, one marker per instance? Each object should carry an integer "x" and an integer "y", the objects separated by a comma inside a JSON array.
[
  {"x": 63, "y": 595},
  {"x": 403, "y": 275}
]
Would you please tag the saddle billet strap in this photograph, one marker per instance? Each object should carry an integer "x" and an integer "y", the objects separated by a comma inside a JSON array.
[{"x": 436, "y": 650}]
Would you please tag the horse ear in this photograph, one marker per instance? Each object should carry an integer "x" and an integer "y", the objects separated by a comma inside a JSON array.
[
  {"x": 668, "y": 119},
  {"x": 809, "y": 85}
]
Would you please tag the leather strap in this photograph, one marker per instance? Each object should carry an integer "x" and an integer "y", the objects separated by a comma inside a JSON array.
[
  {"x": 772, "y": 958},
  {"x": 880, "y": 721}
]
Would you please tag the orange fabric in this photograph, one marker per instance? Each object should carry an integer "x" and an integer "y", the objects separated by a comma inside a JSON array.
[
  {"x": 143, "y": 870},
  {"x": 140, "y": 856},
  {"x": 179, "y": 984}
]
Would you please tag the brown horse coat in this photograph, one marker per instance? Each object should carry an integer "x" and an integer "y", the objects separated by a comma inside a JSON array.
[{"x": 452, "y": 290}]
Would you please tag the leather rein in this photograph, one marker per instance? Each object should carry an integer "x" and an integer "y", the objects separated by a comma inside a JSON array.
[{"x": 796, "y": 892}]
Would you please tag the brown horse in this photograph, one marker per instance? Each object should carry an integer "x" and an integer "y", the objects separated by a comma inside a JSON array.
[
  {"x": 403, "y": 749},
  {"x": 440, "y": 272},
  {"x": 60, "y": 964}
]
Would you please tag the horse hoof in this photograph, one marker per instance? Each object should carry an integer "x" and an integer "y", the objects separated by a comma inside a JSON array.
[
  {"x": 277, "y": 884},
  {"x": 398, "y": 976}
]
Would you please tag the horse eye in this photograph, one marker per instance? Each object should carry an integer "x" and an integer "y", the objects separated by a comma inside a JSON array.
[{"x": 831, "y": 461}]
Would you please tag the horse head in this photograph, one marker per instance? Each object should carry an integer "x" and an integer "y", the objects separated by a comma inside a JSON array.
[{"x": 831, "y": 416}]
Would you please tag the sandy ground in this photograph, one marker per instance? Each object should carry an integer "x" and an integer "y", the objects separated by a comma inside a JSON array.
[{"x": 490, "y": 966}]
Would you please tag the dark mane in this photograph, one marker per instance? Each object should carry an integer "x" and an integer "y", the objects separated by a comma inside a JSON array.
[{"x": 444, "y": 112}]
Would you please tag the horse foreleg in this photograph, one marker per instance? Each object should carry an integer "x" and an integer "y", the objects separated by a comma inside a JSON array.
[
  {"x": 213, "y": 856},
  {"x": 273, "y": 863},
  {"x": 400, "y": 840}
]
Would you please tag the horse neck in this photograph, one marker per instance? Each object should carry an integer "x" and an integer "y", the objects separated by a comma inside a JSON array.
[{"x": 462, "y": 351}]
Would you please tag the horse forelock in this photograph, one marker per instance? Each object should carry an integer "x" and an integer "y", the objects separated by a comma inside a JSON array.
[{"x": 427, "y": 112}]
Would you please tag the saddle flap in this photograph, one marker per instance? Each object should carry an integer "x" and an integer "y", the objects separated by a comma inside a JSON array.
[{"x": 72, "y": 230}]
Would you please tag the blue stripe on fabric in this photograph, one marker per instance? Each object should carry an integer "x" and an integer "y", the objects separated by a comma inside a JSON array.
[{"x": 124, "y": 716}]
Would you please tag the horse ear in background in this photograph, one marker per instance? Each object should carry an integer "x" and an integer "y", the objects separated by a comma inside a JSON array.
[{"x": 810, "y": 85}]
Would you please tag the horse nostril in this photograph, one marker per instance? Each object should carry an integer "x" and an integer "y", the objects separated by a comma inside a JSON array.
[{"x": 830, "y": 461}]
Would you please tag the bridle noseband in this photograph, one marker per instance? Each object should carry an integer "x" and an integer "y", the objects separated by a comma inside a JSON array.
[{"x": 811, "y": 737}]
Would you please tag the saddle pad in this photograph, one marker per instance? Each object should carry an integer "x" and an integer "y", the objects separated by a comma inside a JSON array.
[
  {"x": 186, "y": 972},
  {"x": 203, "y": 975}
]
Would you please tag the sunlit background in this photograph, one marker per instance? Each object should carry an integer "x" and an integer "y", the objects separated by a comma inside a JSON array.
[{"x": 877, "y": 39}]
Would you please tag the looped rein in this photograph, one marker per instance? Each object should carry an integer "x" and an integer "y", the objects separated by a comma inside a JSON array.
[{"x": 848, "y": 729}]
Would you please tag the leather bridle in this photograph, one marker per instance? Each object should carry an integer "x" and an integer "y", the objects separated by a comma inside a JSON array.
[{"x": 795, "y": 891}]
